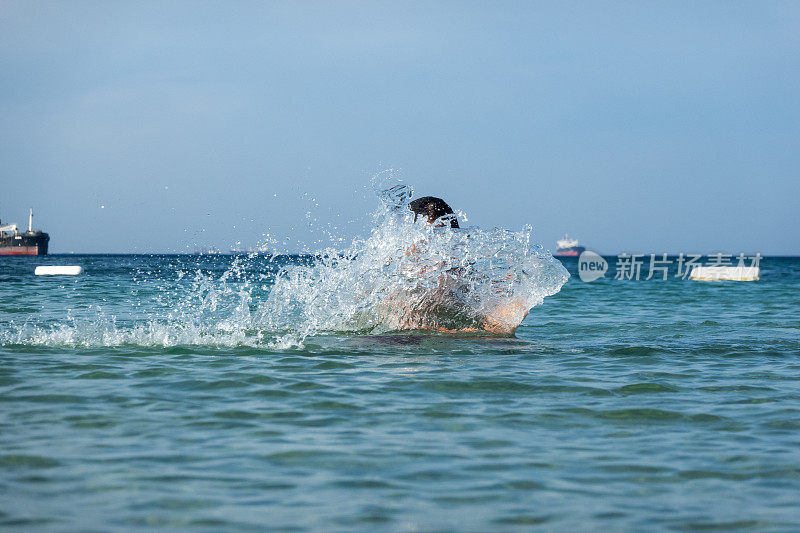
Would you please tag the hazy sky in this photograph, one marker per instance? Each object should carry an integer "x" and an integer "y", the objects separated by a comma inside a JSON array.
[{"x": 634, "y": 126}]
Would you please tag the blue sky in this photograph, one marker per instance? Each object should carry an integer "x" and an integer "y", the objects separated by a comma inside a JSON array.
[{"x": 635, "y": 126}]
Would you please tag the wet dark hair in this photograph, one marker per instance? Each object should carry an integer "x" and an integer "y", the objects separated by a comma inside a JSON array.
[{"x": 432, "y": 208}]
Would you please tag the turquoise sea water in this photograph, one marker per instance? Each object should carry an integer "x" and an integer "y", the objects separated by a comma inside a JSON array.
[{"x": 144, "y": 394}]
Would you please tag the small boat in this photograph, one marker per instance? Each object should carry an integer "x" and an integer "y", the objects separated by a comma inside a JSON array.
[{"x": 567, "y": 247}]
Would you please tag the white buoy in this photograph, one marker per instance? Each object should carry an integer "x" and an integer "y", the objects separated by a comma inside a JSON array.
[
  {"x": 58, "y": 270},
  {"x": 726, "y": 273}
]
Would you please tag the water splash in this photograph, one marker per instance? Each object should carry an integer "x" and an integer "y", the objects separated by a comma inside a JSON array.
[
  {"x": 169, "y": 306},
  {"x": 415, "y": 276},
  {"x": 403, "y": 276}
]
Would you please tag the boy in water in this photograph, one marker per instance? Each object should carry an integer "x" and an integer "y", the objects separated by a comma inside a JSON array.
[
  {"x": 440, "y": 309},
  {"x": 430, "y": 299}
]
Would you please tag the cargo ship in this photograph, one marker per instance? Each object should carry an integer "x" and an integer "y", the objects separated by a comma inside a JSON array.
[
  {"x": 567, "y": 247},
  {"x": 12, "y": 242}
]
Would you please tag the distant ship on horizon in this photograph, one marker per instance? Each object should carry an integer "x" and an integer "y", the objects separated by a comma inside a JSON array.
[
  {"x": 567, "y": 247},
  {"x": 12, "y": 242}
]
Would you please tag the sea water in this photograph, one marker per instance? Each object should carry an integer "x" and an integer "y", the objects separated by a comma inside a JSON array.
[{"x": 214, "y": 393}]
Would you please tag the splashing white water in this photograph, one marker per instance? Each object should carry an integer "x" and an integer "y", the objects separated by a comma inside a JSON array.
[
  {"x": 415, "y": 276},
  {"x": 197, "y": 308},
  {"x": 403, "y": 276}
]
